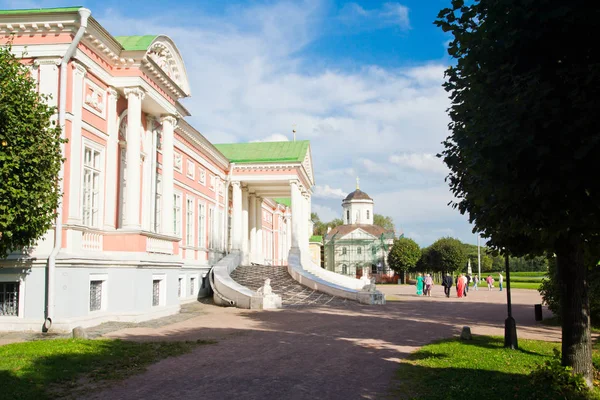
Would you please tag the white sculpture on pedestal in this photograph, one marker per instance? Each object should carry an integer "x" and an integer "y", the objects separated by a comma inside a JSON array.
[{"x": 265, "y": 298}]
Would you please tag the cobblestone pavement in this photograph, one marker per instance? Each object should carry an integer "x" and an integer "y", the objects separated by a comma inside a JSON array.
[
  {"x": 292, "y": 293},
  {"x": 347, "y": 352}
]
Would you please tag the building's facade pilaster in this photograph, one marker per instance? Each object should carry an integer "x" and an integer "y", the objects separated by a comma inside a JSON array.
[
  {"x": 260, "y": 258},
  {"x": 134, "y": 97},
  {"x": 252, "y": 225},
  {"x": 296, "y": 213},
  {"x": 245, "y": 225},
  {"x": 112, "y": 151},
  {"x": 75, "y": 143},
  {"x": 168, "y": 124}
]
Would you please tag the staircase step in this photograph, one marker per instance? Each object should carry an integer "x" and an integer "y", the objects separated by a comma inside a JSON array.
[{"x": 292, "y": 293}]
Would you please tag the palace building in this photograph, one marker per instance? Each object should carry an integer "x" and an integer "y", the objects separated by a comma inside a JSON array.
[{"x": 149, "y": 205}]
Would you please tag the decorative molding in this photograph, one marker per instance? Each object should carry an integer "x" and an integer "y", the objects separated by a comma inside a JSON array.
[
  {"x": 112, "y": 92},
  {"x": 169, "y": 118},
  {"x": 95, "y": 99},
  {"x": 47, "y": 61},
  {"x": 79, "y": 67},
  {"x": 135, "y": 91}
]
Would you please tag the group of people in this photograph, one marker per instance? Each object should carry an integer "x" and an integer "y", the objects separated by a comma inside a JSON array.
[{"x": 462, "y": 282}]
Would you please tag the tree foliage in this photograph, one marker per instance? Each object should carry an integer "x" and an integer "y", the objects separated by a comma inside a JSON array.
[
  {"x": 525, "y": 135},
  {"x": 404, "y": 254},
  {"x": 30, "y": 158},
  {"x": 445, "y": 255},
  {"x": 385, "y": 222}
]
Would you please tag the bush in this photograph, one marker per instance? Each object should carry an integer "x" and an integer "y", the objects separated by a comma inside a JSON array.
[{"x": 555, "y": 378}]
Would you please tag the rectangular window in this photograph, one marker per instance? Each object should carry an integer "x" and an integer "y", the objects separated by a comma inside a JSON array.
[
  {"x": 95, "y": 295},
  {"x": 179, "y": 287},
  {"x": 177, "y": 214},
  {"x": 192, "y": 286},
  {"x": 9, "y": 299},
  {"x": 201, "y": 226},
  {"x": 177, "y": 161},
  {"x": 189, "y": 222},
  {"x": 211, "y": 236},
  {"x": 91, "y": 186},
  {"x": 191, "y": 169},
  {"x": 158, "y": 203},
  {"x": 158, "y": 290},
  {"x": 368, "y": 213},
  {"x": 202, "y": 178},
  {"x": 155, "y": 292}
]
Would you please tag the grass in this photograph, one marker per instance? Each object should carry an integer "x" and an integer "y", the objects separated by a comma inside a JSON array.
[
  {"x": 478, "y": 369},
  {"x": 54, "y": 368},
  {"x": 528, "y": 274}
]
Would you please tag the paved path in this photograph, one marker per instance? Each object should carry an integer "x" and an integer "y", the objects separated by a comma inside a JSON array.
[
  {"x": 292, "y": 293},
  {"x": 326, "y": 352}
]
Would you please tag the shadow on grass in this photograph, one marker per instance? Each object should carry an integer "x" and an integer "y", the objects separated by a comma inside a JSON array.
[
  {"x": 68, "y": 367},
  {"x": 490, "y": 342},
  {"x": 425, "y": 383},
  {"x": 424, "y": 354}
]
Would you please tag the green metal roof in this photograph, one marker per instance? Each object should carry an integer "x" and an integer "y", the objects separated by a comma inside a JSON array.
[
  {"x": 316, "y": 238},
  {"x": 133, "y": 43},
  {"x": 285, "y": 201},
  {"x": 40, "y": 10},
  {"x": 265, "y": 151}
]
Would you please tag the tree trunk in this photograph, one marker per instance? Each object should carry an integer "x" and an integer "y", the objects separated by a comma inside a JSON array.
[{"x": 575, "y": 307}]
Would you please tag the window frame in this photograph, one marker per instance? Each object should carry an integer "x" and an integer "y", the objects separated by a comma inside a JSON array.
[
  {"x": 177, "y": 213},
  {"x": 103, "y": 291},
  {"x": 98, "y": 148},
  {"x": 189, "y": 221}
]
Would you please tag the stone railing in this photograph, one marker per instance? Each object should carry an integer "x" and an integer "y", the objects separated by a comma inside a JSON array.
[
  {"x": 91, "y": 241},
  {"x": 157, "y": 245}
]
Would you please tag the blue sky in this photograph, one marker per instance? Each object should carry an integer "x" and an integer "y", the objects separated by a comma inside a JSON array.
[{"x": 360, "y": 79}]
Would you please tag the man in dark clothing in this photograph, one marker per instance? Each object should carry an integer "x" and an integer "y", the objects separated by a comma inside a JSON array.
[
  {"x": 447, "y": 284},
  {"x": 468, "y": 283}
]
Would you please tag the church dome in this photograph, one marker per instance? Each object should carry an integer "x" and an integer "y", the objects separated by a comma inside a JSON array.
[{"x": 357, "y": 195}]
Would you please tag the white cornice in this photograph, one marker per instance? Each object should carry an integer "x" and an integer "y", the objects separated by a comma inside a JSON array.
[{"x": 198, "y": 140}]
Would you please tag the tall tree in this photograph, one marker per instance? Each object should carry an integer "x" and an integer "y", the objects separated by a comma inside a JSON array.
[
  {"x": 383, "y": 221},
  {"x": 445, "y": 255},
  {"x": 30, "y": 158},
  {"x": 525, "y": 136},
  {"x": 404, "y": 255}
]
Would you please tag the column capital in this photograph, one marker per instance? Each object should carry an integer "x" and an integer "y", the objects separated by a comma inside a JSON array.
[
  {"x": 169, "y": 118},
  {"x": 135, "y": 91},
  {"x": 47, "y": 61},
  {"x": 79, "y": 67},
  {"x": 235, "y": 183},
  {"x": 112, "y": 92}
]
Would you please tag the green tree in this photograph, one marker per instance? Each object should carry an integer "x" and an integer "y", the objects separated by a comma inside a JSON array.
[
  {"x": 30, "y": 158},
  {"x": 446, "y": 255},
  {"x": 403, "y": 256},
  {"x": 385, "y": 222},
  {"x": 524, "y": 138}
]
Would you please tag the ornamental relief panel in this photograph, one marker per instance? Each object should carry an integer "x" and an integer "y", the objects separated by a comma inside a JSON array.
[
  {"x": 94, "y": 98},
  {"x": 165, "y": 60}
]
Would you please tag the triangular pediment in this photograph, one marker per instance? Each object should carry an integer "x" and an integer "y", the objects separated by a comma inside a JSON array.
[{"x": 357, "y": 234}]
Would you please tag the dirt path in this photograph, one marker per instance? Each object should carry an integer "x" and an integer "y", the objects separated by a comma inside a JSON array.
[{"x": 348, "y": 352}]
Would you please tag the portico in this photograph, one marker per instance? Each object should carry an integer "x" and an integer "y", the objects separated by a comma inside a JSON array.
[{"x": 271, "y": 190}]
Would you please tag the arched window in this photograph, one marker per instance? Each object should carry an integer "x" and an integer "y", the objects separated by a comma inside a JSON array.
[
  {"x": 344, "y": 269},
  {"x": 348, "y": 215},
  {"x": 368, "y": 212}
]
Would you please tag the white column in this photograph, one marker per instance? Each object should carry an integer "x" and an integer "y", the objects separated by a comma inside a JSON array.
[
  {"x": 112, "y": 150},
  {"x": 236, "y": 216},
  {"x": 75, "y": 146},
  {"x": 134, "y": 136},
  {"x": 168, "y": 124},
  {"x": 252, "y": 227},
  {"x": 147, "y": 193},
  {"x": 260, "y": 258},
  {"x": 296, "y": 213},
  {"x": 245, "y": 233},
  {"x": 288, "y": 233}
]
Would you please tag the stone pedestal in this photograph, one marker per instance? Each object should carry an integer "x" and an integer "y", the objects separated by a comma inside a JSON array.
[{"x": 265, "y": 302}]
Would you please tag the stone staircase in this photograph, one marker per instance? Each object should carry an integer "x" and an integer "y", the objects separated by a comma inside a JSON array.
[{"x": 292, "y": 293}]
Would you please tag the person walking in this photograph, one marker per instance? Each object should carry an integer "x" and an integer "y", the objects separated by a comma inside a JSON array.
[
  {"x": 490, "y": 282},
  {"x": 475, "y": 282},
  {"x": 428, "y": 285},
  {"x": 460, "y": 286},
  {"x": 447, "y": 284},
  {"x": 500, "y": 280},
  {"x": 419, "y": 285},
  {"x": 468, "y": 283}
]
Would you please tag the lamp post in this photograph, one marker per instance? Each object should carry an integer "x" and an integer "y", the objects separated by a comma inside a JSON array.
[{"x": 510, "y": 326}]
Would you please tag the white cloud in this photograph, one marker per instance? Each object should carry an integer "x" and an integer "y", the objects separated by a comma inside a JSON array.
[
  {"x": 327, "y": 192},
  {"x": 397, "y": 13},
  {"x": 391, "y": 13},
  {"x": 325, "y": 213},
  {"x": 425, "y": 162},
  {"x": 276, "y": 137}
]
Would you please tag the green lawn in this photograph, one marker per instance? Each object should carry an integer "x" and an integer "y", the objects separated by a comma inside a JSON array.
[
  {"x": 53, "y": 368},
  {"x": 477, "y": 369}
]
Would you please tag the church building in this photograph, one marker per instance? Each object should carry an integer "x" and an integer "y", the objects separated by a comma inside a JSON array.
[{"x": 358, "y": 247}]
